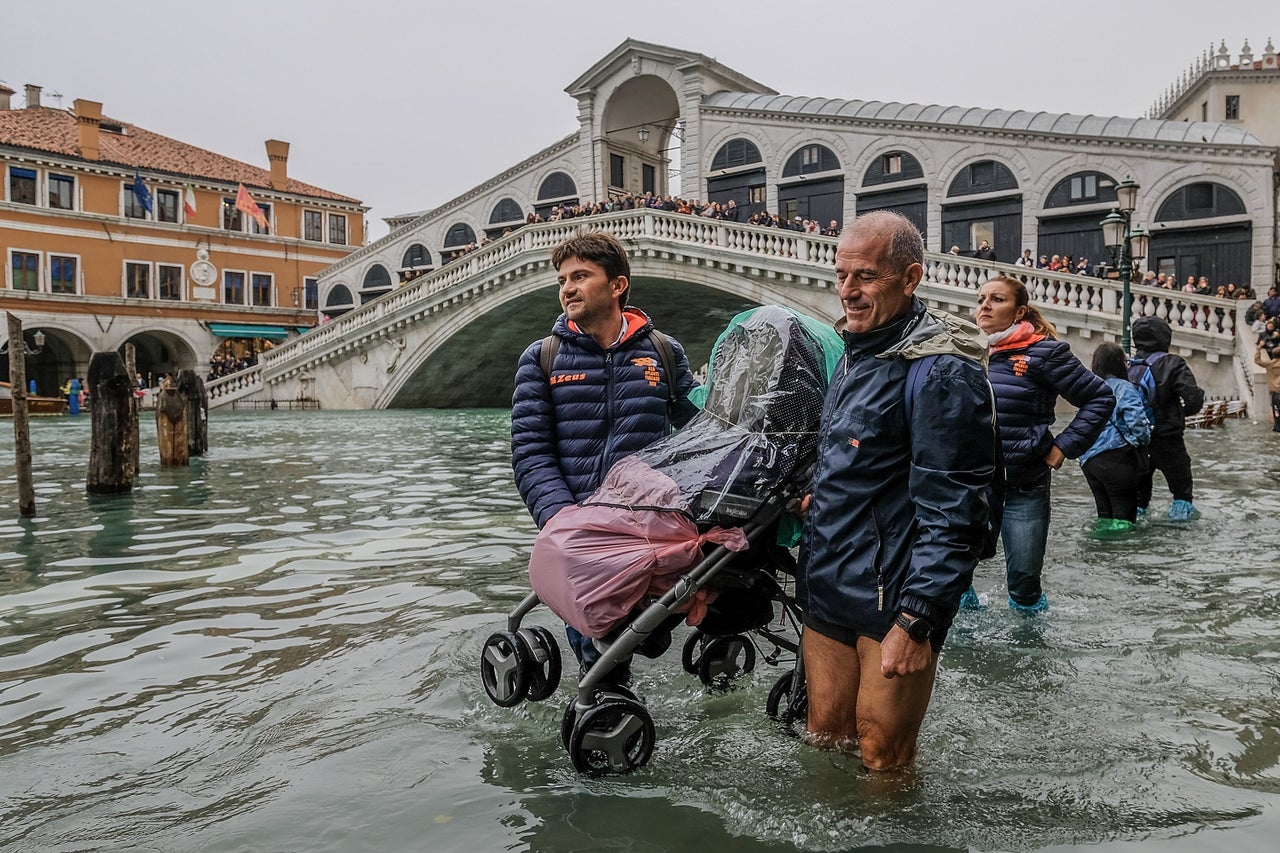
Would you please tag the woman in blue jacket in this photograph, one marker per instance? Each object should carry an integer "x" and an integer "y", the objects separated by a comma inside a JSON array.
[
  {"x": 1029, "y": 369},
  {"x": 1119, "y": 456}
]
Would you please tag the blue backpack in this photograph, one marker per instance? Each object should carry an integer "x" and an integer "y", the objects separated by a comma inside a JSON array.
[
  {"x": 1140, "y": 375},
  {"x": 916, "y": 373}
]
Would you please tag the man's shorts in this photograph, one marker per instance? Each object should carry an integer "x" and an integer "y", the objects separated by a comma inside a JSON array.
[{"x": 846, "y": 636}]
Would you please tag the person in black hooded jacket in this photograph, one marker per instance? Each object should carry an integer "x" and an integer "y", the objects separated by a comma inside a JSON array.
[{"x": 1172, "y": 395}]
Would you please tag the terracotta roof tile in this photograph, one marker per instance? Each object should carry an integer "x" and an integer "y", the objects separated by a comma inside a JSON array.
[{"x": 54, "y": 131}]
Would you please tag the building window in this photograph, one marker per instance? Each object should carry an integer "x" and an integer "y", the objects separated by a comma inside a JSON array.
[
  {"x": 62, "y": 192},
  {"x": 1084, "y": 187},
  {"x": 22, "y": 185},
  {"x": 648, "y": 179},
  {"x": 231, "y": 218},
  {"x": 137, "y": 278},
  {"x": 26, "y": 271},
  {"x": 311, "y": 293},
  {"x": 982, "y": 174},
  {"x": 1200, "y": 196},
  {"x": 337, "y": 229},
  {"x": 133, "y": 208},
  {"x": 167, "y": 205},
  {"x": 893, "y": 164},
  {"x": 1233, "y": 107},
  {"x": 62, "y": 274},
  {"x": 810, "y": 155},
  {"x": 979, "y": 231},
  {"x": 168, "y": 282},
  {"x": 260, "y": 284},
  {"x": 1204, "y": 110},
  {"x": 233, "y": 287},
  {"x": 313, "y": 225},
  {"x": 266, "y": 214},
  {"x": 616, "y": 170},
  {"x": 755, "y": 195}
]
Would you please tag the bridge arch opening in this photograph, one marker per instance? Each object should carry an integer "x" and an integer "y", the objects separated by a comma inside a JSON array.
[
  {"x": 555, "y": 190},
  {"x": 377, "y": 281},
  {"x": 895, "y": 181},
  {"x": 1070, "y": 225},
  {"x": 416, "y": 261},
  {"x": 994, "y": 214},
  {"x": 812, "y": 186},
  {"x": 640, "y": 121},
  {"x": 457, "y": 240},
  {"x": 338, "y": 301},
  {"x": 506, "y": 216},
  {"x": 738, "y": 176},
  {"x": 1201, "y": 230}
]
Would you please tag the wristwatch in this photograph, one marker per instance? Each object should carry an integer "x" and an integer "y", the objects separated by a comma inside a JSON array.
[{"x": 917, "y": 629}]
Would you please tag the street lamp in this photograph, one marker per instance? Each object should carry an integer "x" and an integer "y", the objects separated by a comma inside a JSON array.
[
  {"x": 1127, "y": 245},
  {"x": 37, "y": 337}
]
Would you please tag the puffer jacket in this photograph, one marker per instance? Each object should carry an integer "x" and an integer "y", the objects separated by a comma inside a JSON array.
[
  {"x": 899, "y": 508},
  {"x": 1128, "y": 425},
  {"x": 1178, "y": 396},
  {"x": 599, "y": 406},
  {"x": 1029, "y": 371}
]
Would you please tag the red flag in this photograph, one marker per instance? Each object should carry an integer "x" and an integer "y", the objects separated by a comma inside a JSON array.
[{"x": 246, "y": 204}]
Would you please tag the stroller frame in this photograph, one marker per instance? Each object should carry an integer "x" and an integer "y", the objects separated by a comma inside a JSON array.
[{"x": 605, "y": 728}]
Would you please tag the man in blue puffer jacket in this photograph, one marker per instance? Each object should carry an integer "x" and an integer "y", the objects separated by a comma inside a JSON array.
[
  {"x": 608, "y": 394},
  {"x": 901, "y": 499}
]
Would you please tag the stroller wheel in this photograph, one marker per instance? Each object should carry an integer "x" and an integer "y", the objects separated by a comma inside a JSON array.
[
  {"x": 506, "y": 663},
  {"x": 691, "y": 654},
  {"x": 571, "y": 710},
  {"x": 785, "y": 703},
  {"x": 615, "y": 736},
  {"x": 725, "y": 658},
  {"x": 544, "y": 672}
]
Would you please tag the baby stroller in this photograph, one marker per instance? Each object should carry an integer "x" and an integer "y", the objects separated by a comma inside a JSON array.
[{"x": 627, "y": 564}]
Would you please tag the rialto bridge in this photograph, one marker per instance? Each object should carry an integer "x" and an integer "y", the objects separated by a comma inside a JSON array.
[{"x": 452, "y": 337}]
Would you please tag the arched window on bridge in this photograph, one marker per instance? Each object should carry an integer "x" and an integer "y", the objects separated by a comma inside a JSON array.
[
  {"x": 812, "y": 186},
  {"x": 556, "y": 189},
  {"x": 745, "y": 183},
  {"x": 895, "y": 181},
  {"x": 416, "y": 261},
  {"x": 456, "y": 240},
  {"x": 996, "y": 217},
  {"x": 1203, "y": 228},
  {"x": 1070, "y": 224},
  {"x": 338, "y": 301},
  {"x": 506, "y": 215},
  {"x": 377, "y": 281}
]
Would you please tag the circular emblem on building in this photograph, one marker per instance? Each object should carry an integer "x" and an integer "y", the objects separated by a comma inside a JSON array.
[{"x": 203, "y": 272}]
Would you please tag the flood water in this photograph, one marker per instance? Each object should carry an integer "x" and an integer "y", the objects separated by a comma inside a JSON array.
[{"x": 276, "y": 649}]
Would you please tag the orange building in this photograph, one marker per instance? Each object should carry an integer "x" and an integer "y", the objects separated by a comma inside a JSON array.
[{"x": 101, "y": 246}]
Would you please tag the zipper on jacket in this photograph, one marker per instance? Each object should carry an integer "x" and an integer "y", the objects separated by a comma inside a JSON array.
[
  {"x": 875, "y": 520},
  {"x": 608, "y": 416}
]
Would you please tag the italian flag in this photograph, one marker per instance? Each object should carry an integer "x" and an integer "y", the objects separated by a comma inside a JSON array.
[{"x": 189, "y": 201}]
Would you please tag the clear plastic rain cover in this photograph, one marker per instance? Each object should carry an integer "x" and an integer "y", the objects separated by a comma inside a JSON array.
[{"x": 756, "y": 433}]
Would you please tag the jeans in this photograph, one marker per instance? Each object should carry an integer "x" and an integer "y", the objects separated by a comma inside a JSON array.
[
  {"x": 584, "y": 649},
  {"x": 1024, "y": 531}
]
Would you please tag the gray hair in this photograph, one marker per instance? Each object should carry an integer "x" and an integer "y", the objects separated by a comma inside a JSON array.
[{"x": 906, "y": 246}]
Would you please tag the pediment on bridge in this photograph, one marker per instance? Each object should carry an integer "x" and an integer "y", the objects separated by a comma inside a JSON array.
[{"x": 633, "y": 58}]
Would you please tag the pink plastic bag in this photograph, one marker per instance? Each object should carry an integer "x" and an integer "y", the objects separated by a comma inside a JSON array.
[{"x": 593, "y": 564}]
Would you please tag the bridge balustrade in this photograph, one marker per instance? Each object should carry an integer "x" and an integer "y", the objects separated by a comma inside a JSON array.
[{"x": 1201, "y": 322}]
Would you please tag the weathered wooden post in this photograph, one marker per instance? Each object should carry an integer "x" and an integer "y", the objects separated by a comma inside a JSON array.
[
  {"x": 131, "y": 369},
  {"x": 111, "y": 451},
  {"x": 171, "y": 426},
  {"x": 192, "y": 389},
  {"x": 21, "y": 430}
]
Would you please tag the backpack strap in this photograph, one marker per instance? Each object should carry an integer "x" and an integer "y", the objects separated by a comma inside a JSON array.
[{"x": 547, "y": 356}]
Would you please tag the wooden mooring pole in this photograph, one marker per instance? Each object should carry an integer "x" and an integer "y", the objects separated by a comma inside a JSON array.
[
  {"x": 196, "y": 397},
  {"x": 111, "y": 450},
  {"x": 171, "y": 426},
  {"x": 21, "y": 429}
]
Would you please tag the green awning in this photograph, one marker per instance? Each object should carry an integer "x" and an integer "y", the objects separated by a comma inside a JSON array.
[{"x": 248, "y": 330}]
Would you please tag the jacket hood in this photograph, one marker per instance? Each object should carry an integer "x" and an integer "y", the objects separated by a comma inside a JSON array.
[
  {"x": 936, "y": 332},
  {"x": 1151, "y": 334}
]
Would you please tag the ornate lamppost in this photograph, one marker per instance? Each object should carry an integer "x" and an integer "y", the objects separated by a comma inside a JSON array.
[{"x": 1127, "y": 244}]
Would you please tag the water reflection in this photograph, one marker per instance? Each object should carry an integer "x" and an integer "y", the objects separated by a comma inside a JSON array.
[{"x": 275, "y": 649}]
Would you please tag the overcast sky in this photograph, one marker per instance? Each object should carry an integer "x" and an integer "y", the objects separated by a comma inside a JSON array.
[{"x": 407, "y": 104}]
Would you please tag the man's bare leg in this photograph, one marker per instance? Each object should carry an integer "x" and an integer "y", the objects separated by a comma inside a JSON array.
[
  {"x": 889, "y": 710},
  {"x": 831, "y": 671}
]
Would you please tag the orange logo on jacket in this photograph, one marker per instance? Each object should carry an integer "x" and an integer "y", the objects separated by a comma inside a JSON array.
[
  {"x": 567, "y": 377},
  {"x": 651, "y": 374},
  {"x": 1020, "y": 365}
]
